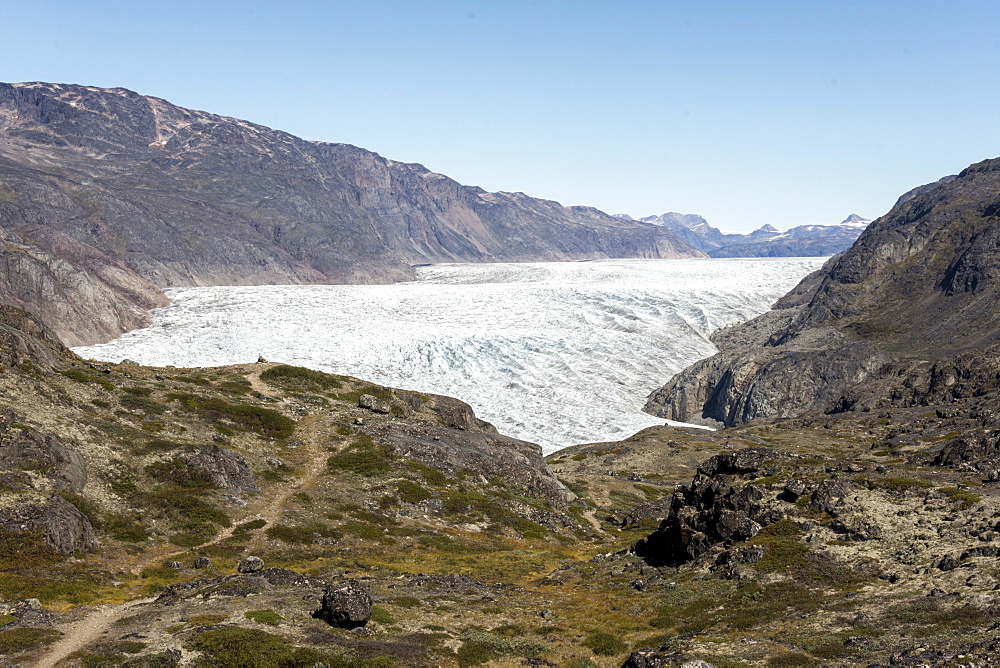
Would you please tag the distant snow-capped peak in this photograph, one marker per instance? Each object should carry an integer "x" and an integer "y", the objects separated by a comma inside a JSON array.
[{"x": 854, "y": 220}]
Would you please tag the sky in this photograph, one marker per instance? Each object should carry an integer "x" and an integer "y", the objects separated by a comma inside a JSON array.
[{"x": 748, "y": 113}]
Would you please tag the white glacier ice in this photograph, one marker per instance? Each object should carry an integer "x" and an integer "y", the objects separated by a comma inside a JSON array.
[{"x": 554, "y": 353}]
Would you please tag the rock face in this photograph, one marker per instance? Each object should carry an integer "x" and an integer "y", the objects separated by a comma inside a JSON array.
[
  {"x": 107, "y": 195},
  {"x": 346, "y": 605},
  {"x": 906, "y": 315},
  {"x": 29, "y": 450},
  {"x": 23, "y": 338},
  {"x": 81, "y": 293}
]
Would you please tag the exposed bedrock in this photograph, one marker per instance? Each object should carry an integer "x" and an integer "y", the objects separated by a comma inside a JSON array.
[{"x": 906, "y": 316}]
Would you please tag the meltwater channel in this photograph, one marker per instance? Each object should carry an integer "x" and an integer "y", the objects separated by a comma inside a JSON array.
[{"x": 557, "y": 353}]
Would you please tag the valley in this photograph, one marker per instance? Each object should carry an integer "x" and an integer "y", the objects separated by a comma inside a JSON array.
[
  {"x": 844, "y": 512},
  {"x": 552, "y": 353}
]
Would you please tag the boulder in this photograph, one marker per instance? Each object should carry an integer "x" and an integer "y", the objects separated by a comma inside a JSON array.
[
  {"x": 829, "y": 495},
  {"x": 250, "y": 565},
  {"x": 227, "y": 469},
  {"x": 374, "y": 404},
  {"x": 346, "y": 605},
  {"x": 793, "y": 490}
]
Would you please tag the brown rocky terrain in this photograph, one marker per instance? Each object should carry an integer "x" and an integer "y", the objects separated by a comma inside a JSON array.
[{"x": 107, "y": 195}]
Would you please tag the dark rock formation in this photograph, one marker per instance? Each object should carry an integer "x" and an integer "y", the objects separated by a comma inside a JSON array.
[
  {"x": 346, "y": 605},
  {"x": 657, "y": 657},
  {"x": 106, "y": 195},
  {"x": 719, "y": 506},
  {"x": 904, "y": 317}
]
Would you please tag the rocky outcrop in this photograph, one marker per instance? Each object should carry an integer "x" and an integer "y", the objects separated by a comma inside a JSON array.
[
  {"x": 444, "y": 434},
  {"x": 60, "y": 524},
  {"x": 737, "y": 386},
  {"x": 487, "y": 454},
  {"x": 225, "y": 468},
  {"x": 24, "y": 339},
  {"x": 896, "y": 320},
  {"x": 30, "y": 450},
  {"x": 719, "y": 506},
  {"x": 107, "y": 195}
]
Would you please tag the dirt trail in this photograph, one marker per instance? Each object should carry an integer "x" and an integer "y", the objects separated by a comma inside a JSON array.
[
  {"x": 82, "y": 632},
  {"x": 86, "y": 630},
  {"x": 315, "y": 464},
  {"x": 591, "y": 517}
]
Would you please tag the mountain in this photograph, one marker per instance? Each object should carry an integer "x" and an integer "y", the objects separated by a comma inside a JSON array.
[
  {"x": 106, "y": 196},
  {"x": 800, "y": 241},
  {"x": 906, "y": 315},
  {"x": 766, "y": 241},
  {"x": 691, "y": 228}
]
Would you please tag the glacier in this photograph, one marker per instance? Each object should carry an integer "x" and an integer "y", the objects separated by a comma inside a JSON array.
[{"x": 556, "y": 353}]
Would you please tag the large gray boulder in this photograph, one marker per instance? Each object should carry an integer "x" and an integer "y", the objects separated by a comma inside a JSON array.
[{"x": 346, "y": 605}]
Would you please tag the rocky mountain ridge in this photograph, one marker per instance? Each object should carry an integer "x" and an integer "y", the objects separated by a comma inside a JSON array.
[
  {"x": 904, "y": 316},
  {"x": 107, "y": 195},
  {"x": 766, "y": 241}
]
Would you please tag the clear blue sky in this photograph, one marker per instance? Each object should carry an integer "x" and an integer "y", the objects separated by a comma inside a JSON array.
[{"x": 746, "y": 112}]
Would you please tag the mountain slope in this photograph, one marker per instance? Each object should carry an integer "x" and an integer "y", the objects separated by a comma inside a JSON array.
[
  {"x": 907, "y": 314},
  {"x": 170, "y": 196}
]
